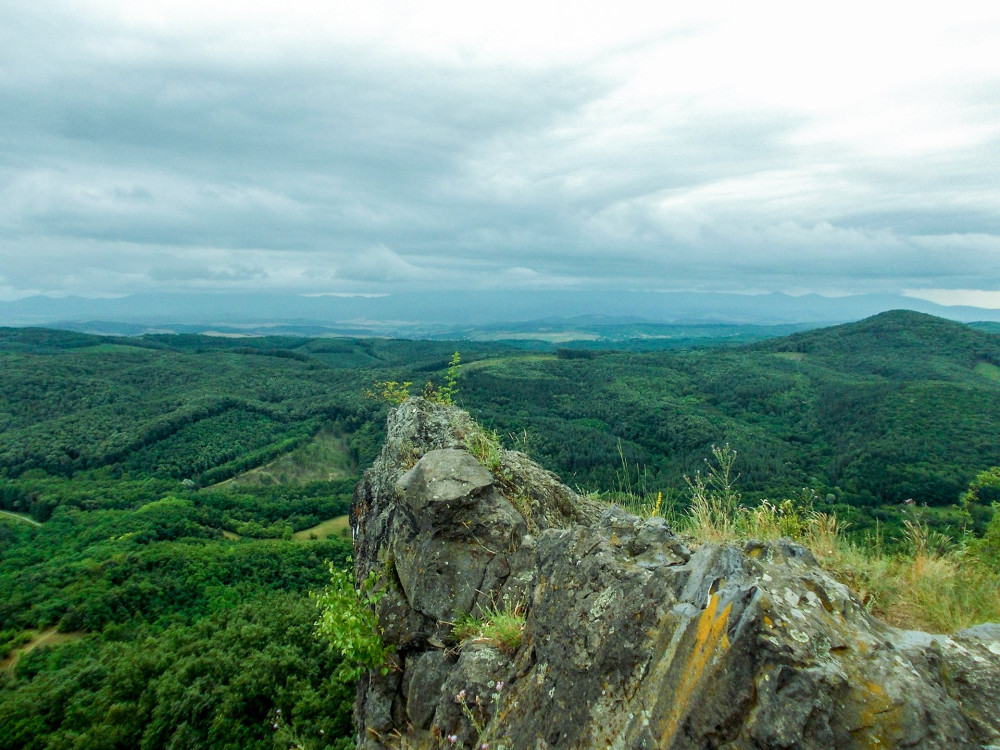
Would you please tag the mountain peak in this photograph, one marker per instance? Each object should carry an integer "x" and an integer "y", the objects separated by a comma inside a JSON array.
[{"x": 893, "y": 332}]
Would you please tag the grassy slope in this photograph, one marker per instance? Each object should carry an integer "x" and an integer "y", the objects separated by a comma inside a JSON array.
[
  {"x": 339, "y": 527},
  {"x": 327, "y": 456}
]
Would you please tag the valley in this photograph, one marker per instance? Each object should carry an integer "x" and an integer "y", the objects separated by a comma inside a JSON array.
[{"x": 170, "y": 501}]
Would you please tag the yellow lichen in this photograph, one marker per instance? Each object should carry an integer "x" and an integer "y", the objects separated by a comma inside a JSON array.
[
  {"x": 879, "y": 717},
  {"x": 710, "y": 641}
]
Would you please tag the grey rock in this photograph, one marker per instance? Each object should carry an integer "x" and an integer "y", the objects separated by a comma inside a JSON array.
[
  {"x": 473, "y": 682},
  {"x": 631, "y": 640},
  {"x": 450, "y": 526},
  {"x": 443, "y": 486},
  {"x": 423, "y": 682}
]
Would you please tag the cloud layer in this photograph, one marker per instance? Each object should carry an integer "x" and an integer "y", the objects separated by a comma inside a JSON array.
[{"x": 322, "y": 148}]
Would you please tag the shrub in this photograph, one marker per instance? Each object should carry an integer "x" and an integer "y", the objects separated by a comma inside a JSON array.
[
  {"x": 485, "y": 446},
  {"x": 348, "y": 621},
  {"x": 390, "y": 391}
]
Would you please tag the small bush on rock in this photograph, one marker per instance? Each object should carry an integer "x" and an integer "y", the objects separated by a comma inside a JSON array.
[
  {"x": 390, "y": 391},
  {"x": 347, "y": 620}
]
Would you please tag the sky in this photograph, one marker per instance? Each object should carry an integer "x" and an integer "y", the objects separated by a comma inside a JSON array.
[{"x": 369, "y": 148}]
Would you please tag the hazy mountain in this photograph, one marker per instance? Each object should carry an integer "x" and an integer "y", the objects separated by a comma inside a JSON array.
[{"x": 453, "y": 314}]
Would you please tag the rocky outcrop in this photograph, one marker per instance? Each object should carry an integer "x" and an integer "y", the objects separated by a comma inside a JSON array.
[{"x": 630, "y": 639}]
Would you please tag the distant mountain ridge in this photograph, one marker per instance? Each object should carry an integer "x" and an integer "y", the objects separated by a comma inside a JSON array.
[{"x": 454, "y": 313}]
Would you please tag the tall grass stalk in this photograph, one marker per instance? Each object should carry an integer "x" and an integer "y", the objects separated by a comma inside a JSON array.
[
  {"x": 933, "y": 584},
  {"x": 715, "y": 502}
]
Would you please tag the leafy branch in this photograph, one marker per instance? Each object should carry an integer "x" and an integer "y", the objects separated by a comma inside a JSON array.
[{"x": 348, "y": 621}]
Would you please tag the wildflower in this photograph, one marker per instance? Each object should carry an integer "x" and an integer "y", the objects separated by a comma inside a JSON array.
[
  {"x": 452, "y": 739},
  {"x": 499, "y": 686},
  {"x": 460, "y": 698}
]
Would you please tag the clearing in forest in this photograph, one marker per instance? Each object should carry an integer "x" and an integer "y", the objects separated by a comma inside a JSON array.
[
  {"x": 322, "y": 459},
  {"x": 339, "y": 526}
]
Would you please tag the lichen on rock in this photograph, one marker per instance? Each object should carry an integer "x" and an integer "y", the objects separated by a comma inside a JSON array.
[{"x": 631, "y": 640}]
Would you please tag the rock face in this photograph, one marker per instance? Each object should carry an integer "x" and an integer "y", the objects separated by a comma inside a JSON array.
[{"x": 630, "y": 639}]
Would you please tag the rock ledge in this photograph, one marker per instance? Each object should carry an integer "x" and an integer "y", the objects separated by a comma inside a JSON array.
[{"x": 631, "y": 640}]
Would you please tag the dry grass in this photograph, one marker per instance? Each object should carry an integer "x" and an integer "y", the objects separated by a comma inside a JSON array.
[
  {"x": 926, "y": 587},
  {"x": 935, "y": 584}
]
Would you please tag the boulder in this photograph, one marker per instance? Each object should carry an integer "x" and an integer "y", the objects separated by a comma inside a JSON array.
[{"x": 630, "y": 639}]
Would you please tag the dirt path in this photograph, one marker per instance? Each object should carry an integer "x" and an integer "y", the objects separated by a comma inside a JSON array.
[
  {"x": 50, "y": 637},
  {"x": 20, "y": 517}
]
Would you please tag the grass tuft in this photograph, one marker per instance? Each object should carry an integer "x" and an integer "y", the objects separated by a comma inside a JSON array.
[
  {"x": 502, "y": 628},
  {"x": 485, "y": 445}
]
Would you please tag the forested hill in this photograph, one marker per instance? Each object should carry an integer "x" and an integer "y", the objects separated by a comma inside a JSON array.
[
  {"x": 897, "y": 406},
  {"x": 191, "y": 407},
  {"x": 901, "y": 343},
  {"x": 893, "y": 407}
]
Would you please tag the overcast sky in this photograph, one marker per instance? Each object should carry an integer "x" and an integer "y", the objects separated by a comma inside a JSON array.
[{"x": 368, "y": 147}]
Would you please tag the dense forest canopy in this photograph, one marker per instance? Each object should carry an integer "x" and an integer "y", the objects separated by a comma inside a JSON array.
[{"x": 174, "y": 599}]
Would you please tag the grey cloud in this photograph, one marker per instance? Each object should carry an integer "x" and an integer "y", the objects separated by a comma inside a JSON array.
[
  {"x": 131, "y": 161},
  {"x": 379, "y": 263},
  {"x": 344, "y": 153},
  {"x": 198, "y": 273}
]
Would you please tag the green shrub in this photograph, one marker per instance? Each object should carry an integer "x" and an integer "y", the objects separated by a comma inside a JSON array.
[
  {"x": 987, "y": 549},
  {"x": 485, "y": 446},
  {"x": 348, "y": 621},
  {"x": 390, "y": 391}
]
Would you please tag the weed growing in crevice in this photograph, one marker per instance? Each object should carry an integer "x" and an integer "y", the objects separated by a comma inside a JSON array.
[
  {"x": 485, "y": 446},
  {"x": 485, "y": 723},
  {"x": 500, "y": 627}
]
